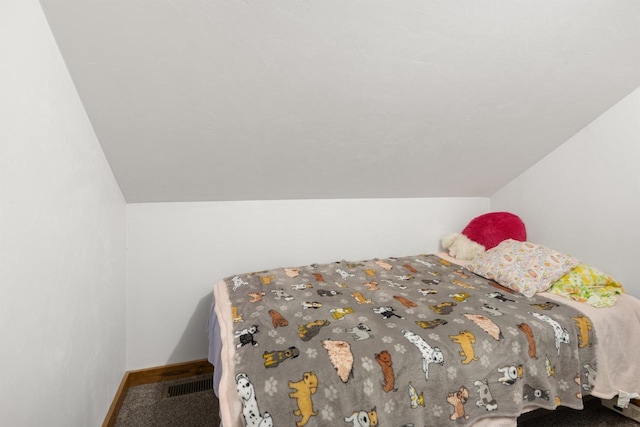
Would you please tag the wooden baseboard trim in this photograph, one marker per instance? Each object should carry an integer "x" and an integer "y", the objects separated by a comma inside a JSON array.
[{"x": 153, "y": 375}]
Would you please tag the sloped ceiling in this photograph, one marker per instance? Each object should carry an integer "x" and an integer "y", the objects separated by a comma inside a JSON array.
[{"x": 198, "y": 100}]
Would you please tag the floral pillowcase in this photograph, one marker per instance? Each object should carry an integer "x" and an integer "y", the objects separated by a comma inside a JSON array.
[
  {"x": 524, "y": 267},
  {"x": 588, "y": 284}
]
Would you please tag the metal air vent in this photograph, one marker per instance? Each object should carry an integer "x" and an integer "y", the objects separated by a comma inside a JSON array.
[{"x": 188, "y": 386}]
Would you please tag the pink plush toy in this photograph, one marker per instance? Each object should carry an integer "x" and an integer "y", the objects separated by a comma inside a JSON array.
[{"x": 483, "y": 233}]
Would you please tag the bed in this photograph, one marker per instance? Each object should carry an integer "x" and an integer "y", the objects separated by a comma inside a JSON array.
[{"x": 409, "y": 341}]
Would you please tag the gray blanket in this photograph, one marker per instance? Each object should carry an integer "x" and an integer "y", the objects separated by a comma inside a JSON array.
[{"x": 400, "y": 342}]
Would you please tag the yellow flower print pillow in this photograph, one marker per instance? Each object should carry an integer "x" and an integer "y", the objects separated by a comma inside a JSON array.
[{"x": 588, "y": 284}]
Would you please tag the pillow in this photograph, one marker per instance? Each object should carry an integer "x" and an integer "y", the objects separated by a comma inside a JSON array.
[
  {"x": 588, "y": 284},
  {"x": 523, "y": 266}
]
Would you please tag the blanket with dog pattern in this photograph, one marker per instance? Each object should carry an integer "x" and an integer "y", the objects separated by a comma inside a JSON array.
[{"x": 410, "y": 341}]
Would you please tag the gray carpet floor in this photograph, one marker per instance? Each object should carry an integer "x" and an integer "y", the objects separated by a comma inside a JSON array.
[{"x": 144, "y": 406}]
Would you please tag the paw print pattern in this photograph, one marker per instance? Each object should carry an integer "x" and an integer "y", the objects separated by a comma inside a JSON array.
[
  {"x": 331, "y": 393},
  {"x": 368, "y": 387},
  {"x": 327, "y": 413},
  {"x": 367, "y": 364},
  {"x": 452, "y": 373},
  {"x": 271, "y": 386}
]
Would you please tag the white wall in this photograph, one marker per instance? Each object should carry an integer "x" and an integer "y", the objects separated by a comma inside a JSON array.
[
  {"x": 177, "y": 251},
  {"x": 63, "y": 237},
  {"x": 584, "y": 198}
]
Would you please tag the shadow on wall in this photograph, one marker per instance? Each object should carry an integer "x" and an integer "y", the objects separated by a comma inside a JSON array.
[{"x": 194, "y": 343}]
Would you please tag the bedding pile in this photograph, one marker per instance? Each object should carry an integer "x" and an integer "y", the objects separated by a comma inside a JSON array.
[{"x": 398, "y": 342}]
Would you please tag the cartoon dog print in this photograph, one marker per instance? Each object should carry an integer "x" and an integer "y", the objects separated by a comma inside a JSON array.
[
  {"x": 429, "y": 354},
  {"x": 393, "y": 284},
  {"x": 328, "y": 293},
  {"x": 460, "y": 296},
  {"x": 277, "y": 319},
  {"x": 545, "y": 306},
  {"x": 466, "y": 340},
  {"x": 463, "y": 284},
  {"x": 250, "y": 411},
  {"x": 372, "y": 285},
  {"x": 311, "y": 304},
  {"x": 361, "y": 299},
  {"x": 235, "y": 315},
  {"x": 341, "y": 358},
  {"x": 510, "y": 374},
  {"x": 486, "y": 325},
  {"x": 267, "y": 280},
  {"x": 304, "y": 388},
  {"x": 384, "y": 265},
  {"x": 444, "y": 262},
  {"x": 339, "y": 313},
  {"x": 416, "y": 399},
  {"x": 427, "y": 291},
  {"x": 499, "y": 296},
  {"x": 318, "y": 277},
  {"x": 237, "y": 283},
  {"x": 370, "y": 272},
  {"x": 386, "y": 312},
  {"x": 344, "y": 274},
  {"x": 529, "y": 394},
  {"x": 577, "y": 380},
  {"x": 360, "y": 332},
  {"x": 431, "y": 282},
  {"x": 256, "y": 296},
  {"x": 246, "y": 336},
  {"x": 550, "y": 370},
  {"x": 584, "y": 326},
  {"x": 341, "y": 285},
  {"x": 486, "y": 399},
  {"x": 425, "y": 263},
  {"x": 491, "y": 310},
  {"x": 502, "y": 288},
  {"x": 528, "y": 332},
  {"x": 561, "y": 334},
  {"x": 443, "y": 307},
  {"x": 301, "y": 286},
  {"x": 430, "y": 324},
  {"x": 457, "y": 399},
  {"x": 406, "y": 302},
  {"x": 461, "y": 274},
  {"x": 311, "y": 329},
  {"x": 386, "y": 364},
  {"x": 363, "y": 418},
  {"x": 291, "y": 272},
  {"x": 410, "y": 268},
  {"x": 404, "y": 277},
  {"x": 589, "y": 375},
  {"x": 274, "y": 358},
  {"x": 281, "y": 294}
]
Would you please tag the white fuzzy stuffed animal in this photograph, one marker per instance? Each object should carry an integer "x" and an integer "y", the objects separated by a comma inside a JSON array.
[{"x": 461, "y": 247}]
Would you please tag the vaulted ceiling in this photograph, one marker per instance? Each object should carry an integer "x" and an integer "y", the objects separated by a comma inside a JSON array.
[{"x": 271, "y": 99}]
